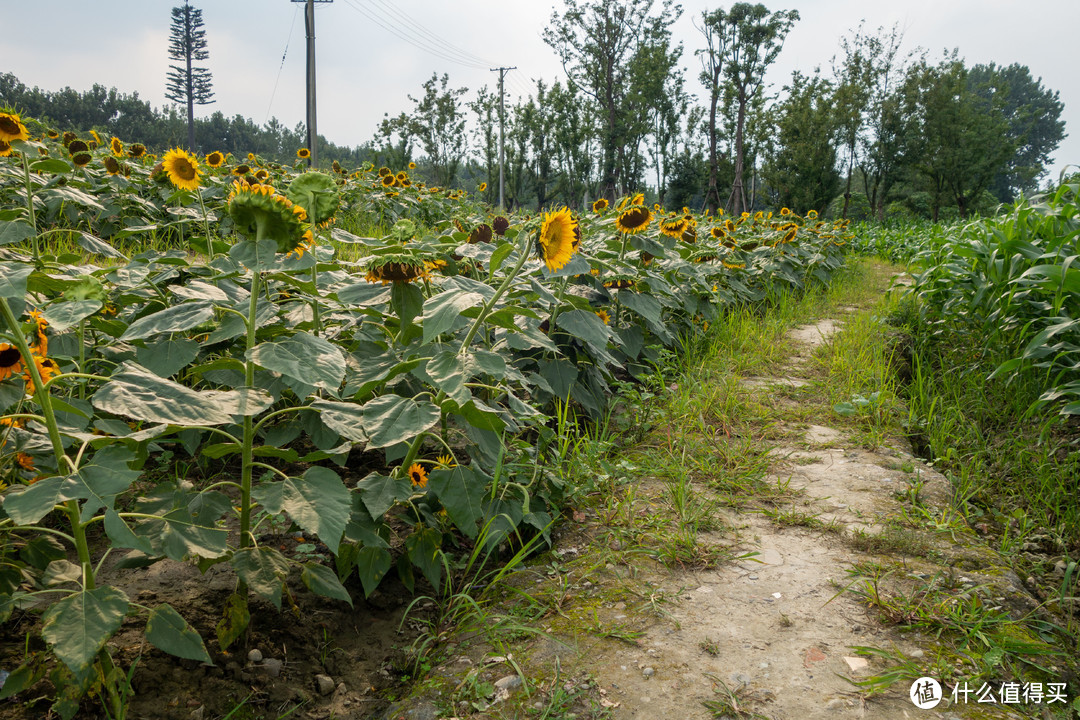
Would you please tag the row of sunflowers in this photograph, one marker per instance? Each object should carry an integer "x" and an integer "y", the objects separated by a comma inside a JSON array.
[{"x": 394, "y": 406}]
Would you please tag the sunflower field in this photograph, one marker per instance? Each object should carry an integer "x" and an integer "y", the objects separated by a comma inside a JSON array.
[{"x": 393, "y": 397}]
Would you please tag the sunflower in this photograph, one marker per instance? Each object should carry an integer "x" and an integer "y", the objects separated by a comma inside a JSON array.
[
  {"x": 559, "y": 238},
  {"x": 303, "y": 153},
  {"x": 600, "y": 205},
  {"x": 811, "y": 215},
  {"x": 619, "y": 282},
  {"x": 68, "y": 137},
  {"x": 480, "y": 234},
  {"x": 481, "y": 187},
  {"x": 52, "y": 134},
  {"x": 97, "y": 138},
  {"x": 500, "y": 225},
  {"x": 417, "y": 475},
  {"x": 116, "y": 147},
  {"x": 718, "y": 233},
  {"x": 397, "y": 269},
  {"x": 215, "y": 159},
  {"x": 262, "y": 214},
  {"x": 384, "y": 171},
  {"x": 402, "y": 176},
  {"x": 446, "y": 461},
  {"x": 111, "y": 165},
  {"x": 241, "y": 170},
  {"x": 46, "y": 368},
  {"x": 137, "y": 150},
  {"x": 41, "y": 342},
  {"x": 77, "y": 146},
  {"x": 262, "y": 175},
  {"x": 10, "y": 361},
  {"x": 81, "y": 159},
  {"x": 638, "y": 199},
  {"x": 785, "y": 211},
  {"x": 602, "y": 314},
  {"x": 732, "y": 265},
  {"x": 5, "y": 148},
  {"x": 388, "y": 180},
  {"x": 182, "y": 169},
  {"x": 634, "y": 219},
  {"x": 26, "y": 462},
  {"x": 790, "y": 231},
  {"x": 673, "y": 227},
  {"x": 412, "y": 166}
]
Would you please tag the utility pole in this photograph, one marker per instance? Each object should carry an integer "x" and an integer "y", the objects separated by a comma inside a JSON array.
[
  {"x": 502, "y": 124},
  {"x": 309, "y": 26}
]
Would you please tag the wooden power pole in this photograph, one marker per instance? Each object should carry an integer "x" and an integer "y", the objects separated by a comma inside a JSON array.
[{"x": 309, "y": 26}]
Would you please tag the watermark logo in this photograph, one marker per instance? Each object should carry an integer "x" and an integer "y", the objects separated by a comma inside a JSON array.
[{"x": 925, "y": 693}]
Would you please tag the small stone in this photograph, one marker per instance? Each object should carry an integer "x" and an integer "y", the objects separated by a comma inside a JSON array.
[
  {"x": 835, "y": 704},
  {"x": 510, "y": 682},
  {"x": 197, "y": 713},
  {"x": 916, "y": 654},
  {"x": 752, "y": 576},
  {"x": 272, "y": 666},
  {"x": 325, "y": 684},
  {"x": 856, "y": 663},
  {"x": 340, "y": 689},
  {"x": 648, "y": 672},
  {"x": 255, "y": 656}
]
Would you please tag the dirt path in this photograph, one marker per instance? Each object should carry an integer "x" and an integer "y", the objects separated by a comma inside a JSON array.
[{"x": 769, "y": 633}]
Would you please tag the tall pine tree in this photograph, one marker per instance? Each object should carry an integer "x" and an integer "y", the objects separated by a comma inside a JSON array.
[{"x": 186, "y": 84}]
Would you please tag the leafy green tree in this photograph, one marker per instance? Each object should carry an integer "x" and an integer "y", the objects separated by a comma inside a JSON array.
[
  {"x": 186, "y": 84},
  {"x": 572, "y": 142},
  {"x": 853, "y": 80},
  {"x": 395, "y": 139},
  {"x": 742, "y": 43},
  {"x": 1035, "y": 128},
  {"x": 440, "y": 127},
  {"x": 486, "y": 137},
  {"x": 597, "y": 42},
  {"x": 801, "y": 169},
  {"x": 963, "y": 131}
]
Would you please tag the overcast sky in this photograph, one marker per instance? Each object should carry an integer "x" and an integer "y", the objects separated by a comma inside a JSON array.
[{"x": 366, "y": 67}]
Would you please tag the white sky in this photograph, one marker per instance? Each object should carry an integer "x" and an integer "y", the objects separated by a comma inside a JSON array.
[{"x": 365, "y": 70}]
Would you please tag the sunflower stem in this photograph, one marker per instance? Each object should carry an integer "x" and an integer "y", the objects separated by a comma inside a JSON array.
[
  {"x": 206, "y": 227},
  {"x": 30, "y": 209},
  {"x": 315, "y": 281},
  {"x": 490, "y": 304},
  {"x": 41, "y": 395}
]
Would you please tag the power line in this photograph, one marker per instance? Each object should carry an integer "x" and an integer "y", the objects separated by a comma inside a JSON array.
[
  {"x": 273, "y": 92},
  {"x": 382, "y": 22},
  {"x": 437, "y": 40}
]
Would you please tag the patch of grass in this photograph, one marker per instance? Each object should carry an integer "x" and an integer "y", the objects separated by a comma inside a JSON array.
[{"x": 893, "y": 540}]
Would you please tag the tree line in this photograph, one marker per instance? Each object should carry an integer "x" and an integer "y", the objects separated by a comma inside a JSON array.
[{"x": 881, "y": 131}]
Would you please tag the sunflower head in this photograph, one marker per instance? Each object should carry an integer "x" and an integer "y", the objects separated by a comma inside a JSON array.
[
  {"x": 603, "y": 315},
  {"x": 52, "y": 134},
  {"x": 397, "y": 268},
  {"x": 81, "y": 159},
  {"x": 137, "y": 150},
  {"x": 600, "y": 205},
  {"x": 11, "y": 361},
  {"x": 182, "y": 169},
  {"x": 261, "y": 214},
  {"x": 481, "y": 187},
  {"x": 811, "y": 215},
  {"x": 12, "y": 127},
  {"x": 317, "y": 193},
  {"x": 619, "y": 282},
  {"x": 500, "y": 225},
  {"x": 387, "y": 180},
  {"x": 638, "y": 199},
  {"x": 417, "y": 475},
  {"x": 673, "y": 227},
  {"x": 480, "y": 234},
  {"x": 412, "y": 166},
  {"x": 112, "y": 166},
  {"x": 559, "y": 238},
  {"x": 116, "y": 147},
  {"x": 634, "y": 219},
  {"x": 5, "y": 148},
  {"x": 215, "y": 159},
  {"x": 77, "y": 146},
  {"x": 303, "y": 153}
]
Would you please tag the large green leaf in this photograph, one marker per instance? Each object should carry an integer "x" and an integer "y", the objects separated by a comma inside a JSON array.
[
  {"x": 13, "y": 231},
  {"x": 461, "y": 491},
  {"x": 371, "y": 565},
  {"x": 98, "y": 246},
  {"x": 447, "y": 373},
  {"x": 167, "y": 631},
  {"x": 184, "y": 534},
  {"x": 406, "y": 300},
  {"x": 321, "y": 580},
  {"x": 242, "y": 401},
  {"x": 199, "y": 290},
  {"x": 380, "y": 492},
  {"x": 168, "y": 356},
  {"x": 122, "y": 536},
  {"x": 344, "y": 418},
  {"x": 234, "y": 620},
  {"x": 644, "y": 305},
  {"x": 79, "y": 625},
  {"x": 587, "y": 326},
  {"x": 264, "y": 570},
  {"x": 391, "y": 419},
  {"x": 259, "y": 257},
  {"x": 442, "y": 310},
  {"x": 304, "y": 357},
  {"x": 13, "y": 279},
  {"x": 29, "y": 505},
  {"x": 560, "y": 375},
  {"x": 424, "y": 548},
  {"x": 172, "y": 319},
  {"x": 68, "y": 314},
  {"x": 135, "y": 392},
  {"x": 319, "y": 502}
]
